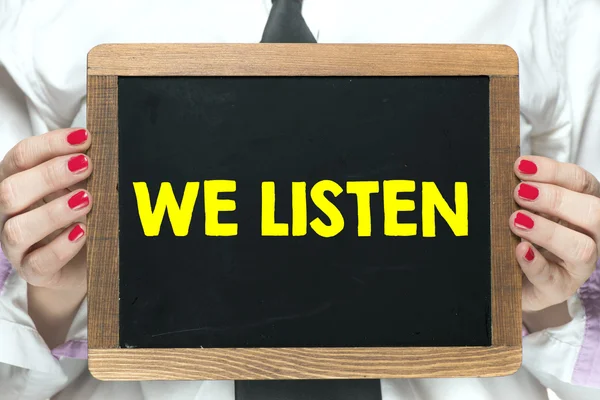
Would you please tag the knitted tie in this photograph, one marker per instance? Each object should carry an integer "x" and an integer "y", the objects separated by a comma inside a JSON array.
[{"x": 286, "y": 25}]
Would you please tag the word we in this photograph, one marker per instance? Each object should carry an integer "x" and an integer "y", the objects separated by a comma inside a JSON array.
[{"x": 180, "y": 214}]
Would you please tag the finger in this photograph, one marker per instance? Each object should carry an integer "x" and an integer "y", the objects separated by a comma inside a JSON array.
[
  {"x": 56, "y": 195},
  {"x": 578, "y": 251},
  {"x": 43, "y": 266},
  {"x": 21, "y": 190},
  {"x": 24, "y": 230},
  {"x": 546, "y": 170},
  {"x": 546, "y": 284},
  {"x": 578, "y": 209},
  {"x": 37, "y": 149}
]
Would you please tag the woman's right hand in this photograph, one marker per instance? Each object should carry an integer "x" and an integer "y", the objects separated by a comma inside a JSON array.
[{"x": 43, "y": 208}]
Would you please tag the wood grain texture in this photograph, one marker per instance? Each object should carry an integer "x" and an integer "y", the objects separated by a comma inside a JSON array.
[
  {"x": 103, "y": 220},
  {"x": 504, "y": 151},
  {"x": 302, "y": 363},
  {"x": 301, "y": 59},
  {"x": 107, "y": 62}
]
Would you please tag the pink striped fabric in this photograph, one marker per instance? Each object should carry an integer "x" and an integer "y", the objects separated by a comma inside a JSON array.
[
  {"x": 72, "y": 349},
  {"x": 5, "y": 270},
  {"x": 587, "y": 367}
]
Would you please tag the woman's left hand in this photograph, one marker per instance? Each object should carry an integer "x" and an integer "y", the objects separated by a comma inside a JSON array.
[{"x": 559, "y": 224}]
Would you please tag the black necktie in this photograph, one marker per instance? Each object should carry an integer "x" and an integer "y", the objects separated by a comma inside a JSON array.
[{"x": 286, "y": 25}]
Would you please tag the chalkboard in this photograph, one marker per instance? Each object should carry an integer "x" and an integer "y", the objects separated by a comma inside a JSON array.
[
  {"x": 252, "y": 289},
  {"x": 255, "y": 215}
]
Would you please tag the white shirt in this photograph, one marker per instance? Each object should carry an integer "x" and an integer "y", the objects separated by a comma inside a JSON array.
[{"x": 43, "y": 47}]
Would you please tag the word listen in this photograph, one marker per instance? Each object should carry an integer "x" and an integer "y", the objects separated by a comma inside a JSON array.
[{"x": 180, "y": 215}]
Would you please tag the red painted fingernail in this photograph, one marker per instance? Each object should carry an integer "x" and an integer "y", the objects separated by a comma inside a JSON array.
[
  {"x": 527, "y": 167},
  {"x": 529, "y": 255},
  {"x": 78, "y": 163},
  {"x": 76, "y": 233},
  {"x": 77, "y": 137},
  {"x": 523, "y": 221},
  {"x": 79, "y": 200},
  {"x": 528, "y": 192}
]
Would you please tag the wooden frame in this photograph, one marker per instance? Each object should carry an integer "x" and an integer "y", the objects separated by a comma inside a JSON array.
[{"x": 107, "y": 62}]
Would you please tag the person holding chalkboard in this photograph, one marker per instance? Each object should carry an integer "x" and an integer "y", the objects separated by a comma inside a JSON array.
[{"x": 43, "y": 205}]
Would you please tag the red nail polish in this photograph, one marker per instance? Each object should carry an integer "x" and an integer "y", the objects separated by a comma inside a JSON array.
[
  {"x": 78, "y": 163},
  {"x": 527, "y": 167},
  {"x": 528, "y": 192},
  {"x": 76, "y": 233},
  {"x": 79, "y": 200},
  {"x": 77, "y": 137},
  {"x": 523, "y": 221},
  {"x": 529, "y": 255}
]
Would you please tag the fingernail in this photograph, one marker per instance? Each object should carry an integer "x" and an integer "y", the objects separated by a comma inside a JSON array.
[
  {"x": 78, "y": 163},
  {"x": 76, "y": 233},
  {"x": 529, "y": 255},
  {"x": 79, "y": 200},
  {"x": 527, "y": 167},
  {"x": 77, "y": 137},
  {"x": 528, "y": 192},
  {"x": 523, "y": 221}
]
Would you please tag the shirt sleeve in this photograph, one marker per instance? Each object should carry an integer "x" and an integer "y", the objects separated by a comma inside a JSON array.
[
  {"x": 567, "y": 358},
  {"x": 28, "y": 368}
]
